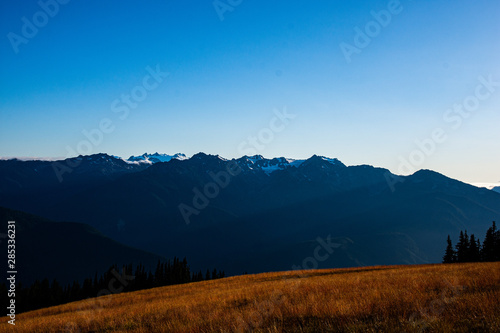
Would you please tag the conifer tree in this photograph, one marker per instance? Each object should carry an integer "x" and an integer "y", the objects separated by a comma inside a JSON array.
[
  {"x": 473, "y": 253},
  {"x": 489, "y": 244},
  {"x": 449, "y": 255},
  {"x": 462, "y": 247},
  {"x": 496, "y": 247}
]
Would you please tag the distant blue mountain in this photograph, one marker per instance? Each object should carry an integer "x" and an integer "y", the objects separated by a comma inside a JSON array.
[{"x": 255, "y": 214}]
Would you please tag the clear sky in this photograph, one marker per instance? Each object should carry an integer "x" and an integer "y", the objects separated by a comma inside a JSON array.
[{"x": 364, "y": 80}]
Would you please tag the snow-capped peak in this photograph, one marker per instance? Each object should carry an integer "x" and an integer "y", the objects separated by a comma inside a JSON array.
[
  {"x": 294, "y": 162},
  {"x": 155, "y": 158},
  {"x": 253, "y": 159},
  {"x": 331, "y": 160},
  {"x": 221, "y": 158},
  {"x": 255, "y": 162}
]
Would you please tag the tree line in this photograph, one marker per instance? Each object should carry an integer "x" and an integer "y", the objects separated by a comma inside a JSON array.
[
  {"x": 469, "y": 249},
  {"x": 43, "y": 293}
]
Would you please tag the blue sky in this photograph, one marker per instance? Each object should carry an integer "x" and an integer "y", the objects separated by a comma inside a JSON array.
[{"x": 228, "y": 77}]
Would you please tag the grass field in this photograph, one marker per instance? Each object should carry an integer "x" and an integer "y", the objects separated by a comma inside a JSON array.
[{"x": 428, "y": 298}]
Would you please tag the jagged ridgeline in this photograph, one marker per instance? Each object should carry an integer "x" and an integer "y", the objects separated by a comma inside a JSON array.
[{"x": 270, "y": 213}]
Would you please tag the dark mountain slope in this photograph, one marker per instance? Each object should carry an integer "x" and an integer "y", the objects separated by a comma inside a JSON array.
[
  {"x": 33, "y": 185},
  {"x": 262, "y": 220},
  {"x": 64, "y": 250},
  {"x": 269, "y": 214}
]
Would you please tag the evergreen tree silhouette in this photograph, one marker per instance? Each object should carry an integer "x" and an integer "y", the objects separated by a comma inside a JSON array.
[
  {"x": 449, "y": 255},
  {"x": 489, "y": 244},
  {"x": 474, "y": 250},
  {"x": 462, "y": 248},
  {"x": 496, "y": 247},
  {"x": 470, "y": 249},
  {"x": 43, "y": 294}
]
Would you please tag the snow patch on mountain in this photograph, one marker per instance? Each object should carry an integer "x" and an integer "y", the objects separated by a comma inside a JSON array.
[
  {"x": 221, "y": 158},
  {"x": 254, "y": 159},
  {"x": 490, "y": 186},
  {"x": 257, "y": 162},
  {"x": 155, "y": 158},
  {"x": 295, "y": 163},
  {"x": 334, "y": 161}
]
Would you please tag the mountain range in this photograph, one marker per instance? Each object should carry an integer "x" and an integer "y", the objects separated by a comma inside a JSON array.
[
  {"x": 155, "y": 158},
  {"x": 253, "y": 214}
]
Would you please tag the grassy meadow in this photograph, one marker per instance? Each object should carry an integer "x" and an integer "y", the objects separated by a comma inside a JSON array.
[{"x": 423, "y": 298}]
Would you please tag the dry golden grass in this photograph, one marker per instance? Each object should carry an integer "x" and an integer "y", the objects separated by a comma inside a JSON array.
[{"x": 429, "y": 298}]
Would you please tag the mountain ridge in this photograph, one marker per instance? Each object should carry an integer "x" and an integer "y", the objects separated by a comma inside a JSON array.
[
  {"x": 140, "y": 162},
  {"x": 268, "y": 220}
]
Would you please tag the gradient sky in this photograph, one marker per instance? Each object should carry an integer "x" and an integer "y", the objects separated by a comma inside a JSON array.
[{"x": 227, "y": 77}]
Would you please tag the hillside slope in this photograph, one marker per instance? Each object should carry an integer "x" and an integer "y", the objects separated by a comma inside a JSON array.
[
  {"x": 64, "y": 250},
  {"x": 437, "y": 298}
]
